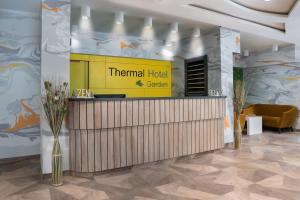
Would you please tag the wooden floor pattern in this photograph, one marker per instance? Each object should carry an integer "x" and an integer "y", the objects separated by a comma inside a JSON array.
[{"x": 266, "y": 168}]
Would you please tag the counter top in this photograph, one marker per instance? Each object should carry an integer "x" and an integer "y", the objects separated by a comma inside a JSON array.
[{"x": 123, "y": 99}]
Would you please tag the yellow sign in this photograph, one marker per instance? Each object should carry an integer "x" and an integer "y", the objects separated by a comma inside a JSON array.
[{"x": 130, "y": 76}]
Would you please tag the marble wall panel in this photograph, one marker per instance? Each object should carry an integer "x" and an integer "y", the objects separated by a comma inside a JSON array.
[
  {"x": 55, "y": 57},
  {"x": 229, "y": 44},
  {"x": 19, "y": 83},
  {"x": 273, "y": 77}
]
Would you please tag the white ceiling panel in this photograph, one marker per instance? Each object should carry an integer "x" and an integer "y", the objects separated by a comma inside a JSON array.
[
  {"x": 272, "y": 21},
  {"x": 272, "y": 6}
]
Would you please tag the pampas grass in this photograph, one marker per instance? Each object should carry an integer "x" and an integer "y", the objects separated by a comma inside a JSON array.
[{"x": 238, "y": 102}]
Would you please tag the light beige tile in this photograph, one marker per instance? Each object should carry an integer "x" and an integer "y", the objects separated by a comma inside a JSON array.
[
  {"x": 79, "y": 192},
  {"x": 120, "y": 181},
  {"x": 142, "y": 198},
  {"x": 201, "y": 169},
  {"x": 185, "y": 192},
  {"x": 255, "y": 196},
  {"x": 36, "y": 195}
]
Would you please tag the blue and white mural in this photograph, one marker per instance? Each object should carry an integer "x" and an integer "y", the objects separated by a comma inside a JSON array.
[{"x": 19, "y": 83}]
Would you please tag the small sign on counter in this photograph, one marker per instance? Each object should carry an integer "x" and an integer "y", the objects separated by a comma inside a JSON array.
[{"x": 83, "y": 93}]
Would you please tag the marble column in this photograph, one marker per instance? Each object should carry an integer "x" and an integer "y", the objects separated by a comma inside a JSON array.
[
  {"x": 55, "y": 61},
  {"x": 229, "y": 44}
]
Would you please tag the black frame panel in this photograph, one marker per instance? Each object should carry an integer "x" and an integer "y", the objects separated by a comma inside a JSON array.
[{"x": 191, "y": 67}]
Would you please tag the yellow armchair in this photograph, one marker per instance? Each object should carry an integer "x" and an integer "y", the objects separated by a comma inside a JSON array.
[{"x": 273, "y": 115}]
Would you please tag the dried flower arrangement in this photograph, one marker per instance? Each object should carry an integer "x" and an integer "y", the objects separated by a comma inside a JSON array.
[{"x": 55, "y": 104}]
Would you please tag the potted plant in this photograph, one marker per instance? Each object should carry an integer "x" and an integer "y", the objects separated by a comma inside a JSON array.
[
  {"x": 239, "y": 102},
  {"x": 55, "y": 104}
]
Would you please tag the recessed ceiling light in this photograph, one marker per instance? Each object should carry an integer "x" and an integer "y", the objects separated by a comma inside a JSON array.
[
  {"x": 85, "y": 12},
  {"x": 148, "y": 22},
  {"x": 74, "y": 29},
  {"x": 246, "y": 53},
  {"x": 196, "y": 32},
  {"x": 275, "y": 47},
  {"x": 174, "y": 27},
  {"x": 267, "y": 0},
  {"x": 167, "y": 53},
  {"x": 119, "y": 17}
]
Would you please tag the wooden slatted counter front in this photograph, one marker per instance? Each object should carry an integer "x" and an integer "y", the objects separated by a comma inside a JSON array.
[{"x": 114, "y": 133}]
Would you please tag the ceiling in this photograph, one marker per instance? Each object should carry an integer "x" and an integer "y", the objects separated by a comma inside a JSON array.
[
  {"x": 112, "y": 7},
  {"x": 275, "y": 6},
  {"x": 262, "y": 23},
  {"x": 256, "y": 43}
]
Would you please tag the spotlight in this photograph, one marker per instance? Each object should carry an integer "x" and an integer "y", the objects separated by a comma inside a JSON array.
[
  {"x": 275, "y": 47},
  {"x": 85, "y": 12},
  {"x": 74, "y": 29},
  {"x": 167, "y": 53},
  {"x": 197, "y": 32},
  {"x": 174, "y": 27},
  {"x": 119, "y": 17},
  {"x": 148, "y": 22},
  {"x": 169, "y": 44}
]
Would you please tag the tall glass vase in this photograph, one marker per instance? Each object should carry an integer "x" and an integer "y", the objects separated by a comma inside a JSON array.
[
  {"x": 237, "y": 134},
  {"x": 57, "y": 172}
]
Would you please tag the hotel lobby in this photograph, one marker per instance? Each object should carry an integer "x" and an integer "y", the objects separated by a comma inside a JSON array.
[{"x": 149, "y": 100}]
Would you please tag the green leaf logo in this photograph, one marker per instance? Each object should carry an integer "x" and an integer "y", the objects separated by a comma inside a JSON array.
[{"x": 139, "y": 83}]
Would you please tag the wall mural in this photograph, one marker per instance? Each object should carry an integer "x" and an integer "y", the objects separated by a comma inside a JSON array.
[{"x": 19, "y": 83}]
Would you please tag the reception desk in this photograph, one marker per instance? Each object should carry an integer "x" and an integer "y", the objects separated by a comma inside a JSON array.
[{"x": 114, "y": 133}]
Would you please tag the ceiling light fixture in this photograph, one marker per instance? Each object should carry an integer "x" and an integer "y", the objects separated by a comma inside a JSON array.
[
  {"x": 148, "y": 22},
  {"x": 74, "y": 29},
  {"x": 169, "y": 44},
  {"x": 167, "y": 53},
  {"x": 246, "y": 53},
  {"x": 85, "y": 12},
  {"x": 119, "y": 17},
  {"x": 196, "y": 32},
  {"x": 174, "y": 27},
  {"x": 275, "y": 47}
]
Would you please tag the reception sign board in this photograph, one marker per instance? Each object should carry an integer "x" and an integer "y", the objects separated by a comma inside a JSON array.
[{"x": 130, "y": 76}]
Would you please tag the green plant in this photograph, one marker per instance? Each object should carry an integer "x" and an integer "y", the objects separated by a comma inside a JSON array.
[{"x": 55, "y": 104}]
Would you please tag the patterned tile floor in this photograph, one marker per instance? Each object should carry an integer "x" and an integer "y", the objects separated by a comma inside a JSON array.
[{"x": 266, "y": 168}]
